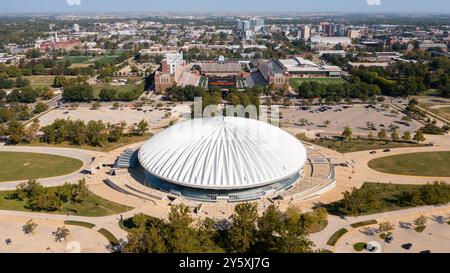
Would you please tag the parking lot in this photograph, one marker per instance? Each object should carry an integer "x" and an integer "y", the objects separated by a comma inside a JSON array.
[
  {"x": 130, "y": 115},
  {"x": 355, "y": 116},
  {"x": 435, "y": 238}
]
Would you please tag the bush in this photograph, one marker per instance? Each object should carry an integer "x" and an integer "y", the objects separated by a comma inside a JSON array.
[
  {"x": 364, "y": 223},
  {"x": 420, "y": 229},
  {"x": 109, "y": 236},
  {"x": 40, "y": 107},
  {"x": 335, "y": 237},
  {"x": 359, "y": 246}
]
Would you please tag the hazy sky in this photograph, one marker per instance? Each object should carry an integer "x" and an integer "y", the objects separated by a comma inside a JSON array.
[{"x": 15, "y": 6}]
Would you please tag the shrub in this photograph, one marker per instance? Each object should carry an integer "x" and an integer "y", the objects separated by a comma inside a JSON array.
[
  {"x": 364, "y": 223},
  {"x": 359, "y": 246},
  {"x": 335, "y": 237}
]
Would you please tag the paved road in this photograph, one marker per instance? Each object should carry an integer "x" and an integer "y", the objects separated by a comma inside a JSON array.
[{"x": 84, "y": 155}]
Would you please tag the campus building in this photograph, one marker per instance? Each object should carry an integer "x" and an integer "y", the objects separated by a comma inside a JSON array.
[
  {"x": 172, "y": 68},
  {"x": 222, "y": 158},
  {"x": 278, "y": 71}
]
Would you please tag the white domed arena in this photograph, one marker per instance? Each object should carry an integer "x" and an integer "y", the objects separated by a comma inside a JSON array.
[{"x": 222, "y": 158}]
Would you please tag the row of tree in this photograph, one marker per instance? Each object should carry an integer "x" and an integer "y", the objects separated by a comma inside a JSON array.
[
  {"x": 40, "y": 198},
  {"x": 247, "y": 232},
  {"x": 94, "y": 133},
  {"x": 338, "y": 92},
  {"x": 364, "y": 200}
]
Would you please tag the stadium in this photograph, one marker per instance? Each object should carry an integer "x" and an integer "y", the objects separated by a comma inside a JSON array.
[{"x": 222, "y": 158}]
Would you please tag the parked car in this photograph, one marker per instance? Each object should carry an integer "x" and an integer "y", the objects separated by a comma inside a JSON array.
[
  {"x": 389, "y": 239},
  {"x": 407, "y": 246},
  {"x": 425, "y": 251},
  {"x": 386, "y": 150},
  {"x": 373, "y": 152}
]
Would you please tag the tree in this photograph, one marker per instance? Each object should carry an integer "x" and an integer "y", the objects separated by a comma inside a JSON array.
[
  {"x": 241, "y": 234},
  {"x": 385, "y": 227},
  {"x": 142, "y": 127},
  {"x": 16, "y": 131},
  {"x": 394, "y": 135},
  {"x": 47, "y": 93},
  {"x": 40, "y": 107},
  {"x": 33, "y": 53},
  {"x": 326, "y": 123},
  {"x": 59, "y": 81},
  {"x": 406, "y": 136},
  {"x": 96, "y": 133},
  {"x": 115, "y": 105},
  {"x": 31, "y": 131},
  {"x": 29, "y": 227},
  {"x": 382, "y": 134},
  {"x": 60, "y": 234},
  {"x": 107, "y": 94},
  {"x": 421, "y": 221},
  {"x": 347, "y": 133},
  {"x": 78, "y": 91},
  {"x": 419, "y": 137},
  {"x": 96, "y": 105}
]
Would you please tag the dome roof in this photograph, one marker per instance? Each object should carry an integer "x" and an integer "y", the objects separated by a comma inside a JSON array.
[{"x": 223, "y": 153}]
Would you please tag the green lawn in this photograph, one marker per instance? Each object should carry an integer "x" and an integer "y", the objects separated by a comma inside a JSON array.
[
  {"x": 42, "y": 81},
  {"x": 93, "y": 205},
  {"x": 22, "y": 166},
  {"x": 119, "y": 88},
  {"x": 79, "y": 223},
  {"x": 124, "y": 141},
  {"x": 419, "y": 164},
  {"x": 78, "y": 59},
  {"x": 296, "y": 82},
  {"x": 106, "y": 58},
  {"x": 357, "y": 144}
]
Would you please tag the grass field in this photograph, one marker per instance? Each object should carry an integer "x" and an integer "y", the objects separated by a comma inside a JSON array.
[
  {"x": 126, "y": 140},
  {"x": 23, "y": 166},
  {"x": 357, "y": 144},
  {"x": 419, "y": 164},
  {"x": 78, "y": 59},
  {"x": 79, "y": 223},
  {"x": 296, "y": 82},
  {"x": 93, "y": 206},
  {"x": 42, "y": 81},
  {"x": 119, "y": 88}
]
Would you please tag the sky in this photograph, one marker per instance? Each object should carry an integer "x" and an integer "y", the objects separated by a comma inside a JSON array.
[{"x": 79, "y": 6}]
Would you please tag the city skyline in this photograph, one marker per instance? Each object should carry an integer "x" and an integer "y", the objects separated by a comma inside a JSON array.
[{"x": 202, "y": 6}]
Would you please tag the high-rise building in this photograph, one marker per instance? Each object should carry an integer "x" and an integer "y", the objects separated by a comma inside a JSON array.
[
  {"x": 306, "y": 32},
  {"x": 354, "y": 33}
]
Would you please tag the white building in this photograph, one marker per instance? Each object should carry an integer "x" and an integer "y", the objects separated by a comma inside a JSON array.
[
  {"x": 173, "y": 60},
  {"x": 245, "y": 159}
]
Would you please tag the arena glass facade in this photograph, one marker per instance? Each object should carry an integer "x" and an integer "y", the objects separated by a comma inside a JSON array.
[{"x": 210, "y": 195}]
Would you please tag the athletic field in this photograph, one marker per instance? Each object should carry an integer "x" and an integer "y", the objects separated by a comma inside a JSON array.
[{"x": 296, "y": 82}]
